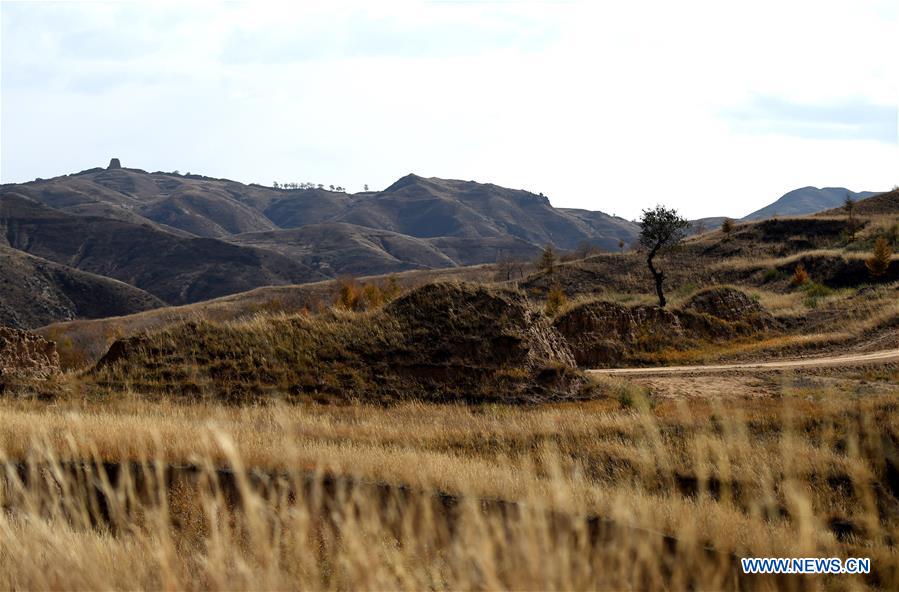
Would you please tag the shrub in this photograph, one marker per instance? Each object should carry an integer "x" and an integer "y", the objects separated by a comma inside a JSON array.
[
  {"x": 771, "y": 275},
  {"x": 632, "y": 396},
  {"x": 349, "y": 295},
  {"x": 815, "y": 292},
  {"x": 373, "y": 295},
  {"x": 879, "y": 261},
  {"x": 800, "y": 276},
  {"x": 727, "y": 226},
  {"x": 555, "y": 300},
  {"x": 352, "y": 295},
  {"x": 892, "y": 234},
  {"x": 391, "y": 289}
]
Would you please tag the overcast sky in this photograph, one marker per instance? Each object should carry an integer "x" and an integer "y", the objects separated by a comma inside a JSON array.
[{"x": 716, "y": 108}]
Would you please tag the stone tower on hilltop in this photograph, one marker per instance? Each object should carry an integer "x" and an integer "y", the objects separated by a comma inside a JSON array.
[{"x": 114, "y": 164}]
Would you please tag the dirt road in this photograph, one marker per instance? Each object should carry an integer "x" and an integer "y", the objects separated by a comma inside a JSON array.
[{"x": 878, "y": 357}]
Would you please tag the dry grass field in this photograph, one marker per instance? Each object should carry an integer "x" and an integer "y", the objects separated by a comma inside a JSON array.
[
  {"x": 450, "y": 296},
  {"x": 631, "y": 490},
  {"x": 344, "y": 436}
]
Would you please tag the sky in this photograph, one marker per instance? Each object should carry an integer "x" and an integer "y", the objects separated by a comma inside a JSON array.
[{"x": 715, "y": 108}]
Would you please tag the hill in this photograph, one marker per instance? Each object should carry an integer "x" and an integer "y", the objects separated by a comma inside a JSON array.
[
  {"x": 414, "y": 206},
  {"x": 807, "y": 200},
  {"x": 878, "y": 205},
  {"x": 431, "y": 207},
  {"x": 173, "y": 268},
  {"x": 336, "y": 247},
  {"x": 187, "y": 238},
  {"x": 35, "y": 292},
  {"x": 440, "y": 342}
]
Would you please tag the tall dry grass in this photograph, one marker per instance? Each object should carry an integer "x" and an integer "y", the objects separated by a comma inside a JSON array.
[{"x": 608, "y": 494}]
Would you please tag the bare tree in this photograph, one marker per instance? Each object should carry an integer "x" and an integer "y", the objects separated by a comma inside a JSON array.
[
  {"x": 509, "y": 268},
  {"x": 586, "y": 249}
]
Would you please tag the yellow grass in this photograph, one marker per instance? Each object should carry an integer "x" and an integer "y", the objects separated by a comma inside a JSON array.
[
  {"x": 83, "y": 342},
  {"x": 747, "y": 478}
]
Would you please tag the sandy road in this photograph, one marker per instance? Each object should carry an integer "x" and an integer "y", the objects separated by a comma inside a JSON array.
[{"x": 878, "y": 357}]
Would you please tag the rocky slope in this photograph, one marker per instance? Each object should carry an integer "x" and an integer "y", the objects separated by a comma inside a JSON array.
[{"x": 25, "y": 356}]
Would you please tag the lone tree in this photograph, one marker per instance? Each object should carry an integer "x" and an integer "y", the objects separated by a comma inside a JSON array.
[
  {"x": 548, "y": 259},
  {"x": 660, "y": 230},
  {"x": 879, "y": 262},
  {"x": 727, "y": 226},
  {"x": 851, "y": 224}
]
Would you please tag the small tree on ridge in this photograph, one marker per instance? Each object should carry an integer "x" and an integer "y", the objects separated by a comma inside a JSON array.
[
  {"x": 660, "y": 230},
  {"x": 851, "y": 224},
  {"x": 548, "y": 259}
]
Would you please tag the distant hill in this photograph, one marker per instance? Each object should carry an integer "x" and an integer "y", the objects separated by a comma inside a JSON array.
[
  {"x": 414, "y": 206},
  {"x": 799, "y": 202},
  {"x": 186, "y": 238},
  {"x": 880, "y": 204},
  {"x": 603, "y": 226},
  {"x": 173, "y": 268},
  {"x": 35, "y": 292},
  {"x": 428, "y": 208},
  {"x": 338, "y": 248},
  {"x": 807, "y": 200}
]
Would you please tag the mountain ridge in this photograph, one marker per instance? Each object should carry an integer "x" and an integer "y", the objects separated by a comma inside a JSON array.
[
  {"x": 186, "y": 238},
  {"x": 807, "y": 200}
]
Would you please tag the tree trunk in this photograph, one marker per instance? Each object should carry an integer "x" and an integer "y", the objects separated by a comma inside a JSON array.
[{"x": 658, "y": 276}]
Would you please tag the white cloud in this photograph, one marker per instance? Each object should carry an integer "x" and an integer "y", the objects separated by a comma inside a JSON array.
[{"x": 612, "y": 107}]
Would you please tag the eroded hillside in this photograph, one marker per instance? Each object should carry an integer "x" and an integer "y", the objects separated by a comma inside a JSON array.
[{"x": 187, "y": 238}]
